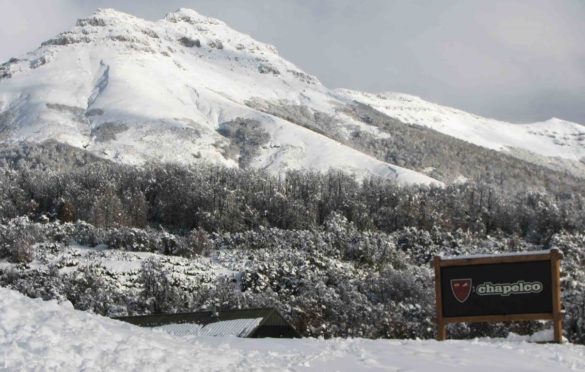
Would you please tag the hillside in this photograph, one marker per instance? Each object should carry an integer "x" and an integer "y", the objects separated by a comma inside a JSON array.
[
  {"x": 553, "y": 143},
  {"x": 174, "y": 90},
  {"x": 190, "y": 89}
]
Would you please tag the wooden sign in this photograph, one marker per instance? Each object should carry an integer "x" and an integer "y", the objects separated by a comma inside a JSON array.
[{"x": 499, "y": 288}]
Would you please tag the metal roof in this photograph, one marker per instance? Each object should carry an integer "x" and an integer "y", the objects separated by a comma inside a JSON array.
[
  {"x": 236, "y": 327},
  {"x": 242, "y": 322}
]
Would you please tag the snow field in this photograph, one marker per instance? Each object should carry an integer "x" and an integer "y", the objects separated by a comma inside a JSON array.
[{"x": 38, "y": 336}]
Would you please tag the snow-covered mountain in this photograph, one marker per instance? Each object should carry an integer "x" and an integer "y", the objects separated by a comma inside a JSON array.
[
  {"x": 553, "y": 142},
  {"x": 132, "y": 90},
  {"x": 189, "y": 89}
]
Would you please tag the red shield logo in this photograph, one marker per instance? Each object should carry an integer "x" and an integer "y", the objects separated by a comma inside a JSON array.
[{"x": 461, "y": 289}]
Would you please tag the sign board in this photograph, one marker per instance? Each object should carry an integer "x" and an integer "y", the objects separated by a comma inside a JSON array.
[{"x": 498, "y": 288}]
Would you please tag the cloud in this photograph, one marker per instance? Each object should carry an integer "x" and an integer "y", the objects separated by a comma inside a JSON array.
[{"x": 509, "y": 59}]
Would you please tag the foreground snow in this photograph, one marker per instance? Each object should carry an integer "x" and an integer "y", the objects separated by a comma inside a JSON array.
[{"x": 37, "y": 335}]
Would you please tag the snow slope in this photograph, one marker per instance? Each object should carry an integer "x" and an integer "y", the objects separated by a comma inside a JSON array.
[
  {"x": 132, "y": 91},
  {"x": 552, "y": 138},
  {"x": 37, "y": 335}
]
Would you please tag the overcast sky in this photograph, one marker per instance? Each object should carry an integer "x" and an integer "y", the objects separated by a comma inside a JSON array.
[{"x": 513, "y": 60}]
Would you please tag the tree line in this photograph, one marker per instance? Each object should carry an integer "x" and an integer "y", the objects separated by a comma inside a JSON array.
[{"x": 216, "y": 199}]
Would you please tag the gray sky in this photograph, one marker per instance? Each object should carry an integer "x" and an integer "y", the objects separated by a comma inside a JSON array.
[{"x": 513, "y": 60}]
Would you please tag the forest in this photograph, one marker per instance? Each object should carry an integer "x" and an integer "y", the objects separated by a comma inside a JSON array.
[{"x": 336, "y": 256}]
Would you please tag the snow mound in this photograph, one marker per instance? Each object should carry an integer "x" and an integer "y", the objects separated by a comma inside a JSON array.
[{"x": 37, "y": 335}]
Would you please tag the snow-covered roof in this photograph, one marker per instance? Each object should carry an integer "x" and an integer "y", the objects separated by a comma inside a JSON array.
[
  {"x": 236, "y": 327},
  {"x": 260, "y": 322}
]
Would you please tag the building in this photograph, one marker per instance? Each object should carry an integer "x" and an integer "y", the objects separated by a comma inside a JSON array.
[{"x": 251, "y": 323}]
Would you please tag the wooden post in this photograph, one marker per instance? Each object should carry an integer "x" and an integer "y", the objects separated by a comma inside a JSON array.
[
  {"x": 441, "y": 330},
  {"x": 556, "y": 295}
]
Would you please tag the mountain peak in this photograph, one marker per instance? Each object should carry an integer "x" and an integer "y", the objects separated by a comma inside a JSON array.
[
  {"x": 105, "y": 16},
  {"x": 191, "y": 16}
]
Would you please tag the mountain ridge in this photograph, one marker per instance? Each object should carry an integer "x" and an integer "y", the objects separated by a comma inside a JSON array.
[{"x": 132, "y": 90}]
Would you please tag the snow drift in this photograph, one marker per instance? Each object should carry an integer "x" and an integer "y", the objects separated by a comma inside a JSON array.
[{"x": 37, "y": 335}]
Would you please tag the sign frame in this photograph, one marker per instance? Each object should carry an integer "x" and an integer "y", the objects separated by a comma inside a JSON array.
[{"x": 553, "y": 255}]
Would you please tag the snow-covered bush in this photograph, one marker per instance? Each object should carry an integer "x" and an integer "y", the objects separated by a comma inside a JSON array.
[
  {"x": 335, "y": 256},
  {"x": 573, "y": 283},
  {"x": 158, "y": 290},
  {"x": 197, "y": 243},
  {"x": 17, "y": 239},
  {"x": 134, "y": 240},
  {"x": 92, "y": 288}
]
